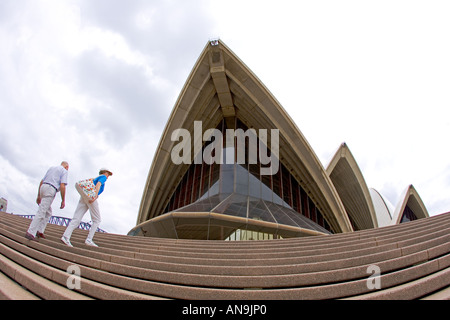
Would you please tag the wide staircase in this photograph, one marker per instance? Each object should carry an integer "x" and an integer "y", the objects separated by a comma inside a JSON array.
[{"x": 413, "y": 260}]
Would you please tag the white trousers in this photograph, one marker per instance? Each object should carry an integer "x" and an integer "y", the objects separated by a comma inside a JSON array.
[
  {"x": 44, "y": 212},
  {"x": 78, "y": 215}
]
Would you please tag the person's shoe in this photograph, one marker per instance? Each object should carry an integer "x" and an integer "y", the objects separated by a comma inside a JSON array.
[
  {"x": 40, "y": 235},
  {"x": 29, "y": 236},
  {"x": 90, "y": 243},
  {"x": 66, "y": 241}
]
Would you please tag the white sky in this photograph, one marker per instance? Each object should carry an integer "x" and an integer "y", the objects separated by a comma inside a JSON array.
[{"x": 93, "y": 83}]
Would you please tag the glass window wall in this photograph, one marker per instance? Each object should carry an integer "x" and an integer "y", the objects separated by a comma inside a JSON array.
[
  {"x": 254, "y": 196},
  {"x": 408, "y": 215}
]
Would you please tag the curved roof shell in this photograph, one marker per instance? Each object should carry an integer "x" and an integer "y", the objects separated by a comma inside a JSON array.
[
  {"x": 410, "y": 198},
  {"x": 383, "y": 208},
  {"x": 351, "y": 186},
  {"x": 221, "y": 86}
]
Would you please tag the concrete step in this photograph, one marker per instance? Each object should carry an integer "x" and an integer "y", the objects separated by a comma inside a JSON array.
[
  {"x": 11, "y": 290},
  {"x": 34, "y": 282},
  {"x": 414, "y": 261},
  {"x": 442, "y": 294},
  {"x": 251, "y": 246},
  {"x": 415, "y": 289},
  {"x": 50, "y": 282},
  {"x": 219, "y": 278},
  {"x": 244, "y": 254},
  {"x": 265, "y": 266}
]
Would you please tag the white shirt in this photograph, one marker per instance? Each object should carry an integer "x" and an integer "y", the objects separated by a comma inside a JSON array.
[{"x": 55, "y": 176}]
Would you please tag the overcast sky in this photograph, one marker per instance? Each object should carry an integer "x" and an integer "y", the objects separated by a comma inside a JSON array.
[{"x": 93, "y": 82}]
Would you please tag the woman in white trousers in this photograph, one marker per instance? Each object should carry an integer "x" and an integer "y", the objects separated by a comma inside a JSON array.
[{"x": 83, "y": 207}]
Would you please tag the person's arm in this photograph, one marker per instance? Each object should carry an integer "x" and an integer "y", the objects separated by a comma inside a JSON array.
[
  {"x": 62, "y": 189},
  {"x": 38, "y": 199},
  {"x": 97, "y": 189}
]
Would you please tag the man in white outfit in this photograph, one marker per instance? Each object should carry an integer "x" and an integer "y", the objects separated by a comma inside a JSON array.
[
  {"x": 83, "y": 207},
  {"x": 54, "y": 181}
]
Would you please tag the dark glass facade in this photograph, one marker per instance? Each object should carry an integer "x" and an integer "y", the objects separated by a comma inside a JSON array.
[
  {"x": 240, "y": 190},
  {"x": 408, "y": 215}
]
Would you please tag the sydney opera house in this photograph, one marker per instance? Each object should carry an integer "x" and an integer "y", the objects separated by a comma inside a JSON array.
[
  {"x": 232, "y": 165},
  {"x": 236, "y": 200}
]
